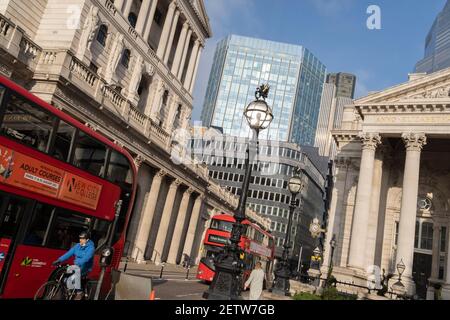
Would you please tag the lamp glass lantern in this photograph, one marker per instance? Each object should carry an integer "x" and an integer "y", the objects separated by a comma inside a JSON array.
[
  {"x": 401, "y": 268},
  {"x": 295, "y": 185},
  {"x": 258, "y": 115}
]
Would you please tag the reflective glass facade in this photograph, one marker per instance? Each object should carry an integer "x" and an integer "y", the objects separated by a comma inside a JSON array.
[
  {"x": 295, "y": 77},
  {"x": 437, "y": 44}
]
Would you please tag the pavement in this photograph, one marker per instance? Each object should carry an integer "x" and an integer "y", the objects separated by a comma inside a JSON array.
[{"x": 177, "y": 284}]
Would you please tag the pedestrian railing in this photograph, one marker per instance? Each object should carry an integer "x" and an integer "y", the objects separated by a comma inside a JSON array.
[{"x": 349, "y": 288}]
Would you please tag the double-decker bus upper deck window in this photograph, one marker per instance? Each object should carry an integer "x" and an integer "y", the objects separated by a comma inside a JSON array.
[
  {"x": 63, "y": 140},
  {"x": 27, "y": 123},
  {"x": 221, "y": 225},
  {"x": 89, "y": 155},
  {"x": 119, "y": 170}
]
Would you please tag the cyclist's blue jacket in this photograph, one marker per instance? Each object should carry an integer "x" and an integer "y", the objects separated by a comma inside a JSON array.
[{"x": 84, "y": 256}]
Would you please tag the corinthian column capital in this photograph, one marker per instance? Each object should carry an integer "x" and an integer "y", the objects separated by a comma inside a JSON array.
[
  {"x": 370, "y": 141},
  {"x": 414, "y": 141}
]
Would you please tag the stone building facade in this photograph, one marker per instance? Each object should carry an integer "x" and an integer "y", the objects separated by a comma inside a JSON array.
[
  {"x": 391, "y": 192},
  {"x": 125, "y": 68}
]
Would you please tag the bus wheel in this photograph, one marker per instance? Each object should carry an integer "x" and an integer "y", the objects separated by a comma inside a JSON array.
[{"x": 49, "y": 291}]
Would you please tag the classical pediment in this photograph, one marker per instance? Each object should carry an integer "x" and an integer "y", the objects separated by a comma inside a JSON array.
[
  {"x": 199, "y": 7},
  {"x": 432, "y": 88}
]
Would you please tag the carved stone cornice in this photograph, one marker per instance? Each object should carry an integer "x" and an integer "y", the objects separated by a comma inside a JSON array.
[
  {"x": 189, "y": 191},
  {"x": 176, "y": 183},
  {"x": 370, "y": 140},
  {"x": 414, "y": 141},
  {"x": 139, "y": 160},
  {"x": 342, "y": 162},
  {"x": 161, "y": 174}
]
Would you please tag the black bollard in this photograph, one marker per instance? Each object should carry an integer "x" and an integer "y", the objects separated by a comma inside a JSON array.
[
  {"x": 162, "y": 269},
  {"x": 187, "y": 273}
]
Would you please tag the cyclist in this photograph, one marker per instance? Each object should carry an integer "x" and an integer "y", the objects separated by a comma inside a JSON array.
[{"x": 84, "y": 259}]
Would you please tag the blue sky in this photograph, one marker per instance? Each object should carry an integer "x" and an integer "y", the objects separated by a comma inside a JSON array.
[{"x": 334, "y": 30}]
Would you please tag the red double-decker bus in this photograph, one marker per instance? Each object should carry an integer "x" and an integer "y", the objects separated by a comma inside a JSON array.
[
  {"x": 57, "y": 178},
  {"x": 257, "y": 244}
]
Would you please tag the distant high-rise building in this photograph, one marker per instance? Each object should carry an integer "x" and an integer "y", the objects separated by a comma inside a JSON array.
[
  {"x": 437, "y": 44},
  {"x": 345, "y": 84},
  {"x": 268, "y": 193},
  {"x": 296, "y": 78},
  {"x": 337, "y": 93}
]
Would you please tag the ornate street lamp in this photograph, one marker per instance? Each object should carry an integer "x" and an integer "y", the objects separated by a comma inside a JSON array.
[
  {"x": 227, "y": 284},
  {"x": 283, "y": 272},
  {"x": 398, "y": 287},
  {"x": 330, "y": 267}
]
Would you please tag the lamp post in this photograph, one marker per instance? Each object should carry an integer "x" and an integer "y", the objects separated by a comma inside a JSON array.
[
  {"x": 226, "y": 284},
  {"x": 330, "y": 267},
  {"x": 283, "y": 273},
  {"x": 399, "y": 287}
]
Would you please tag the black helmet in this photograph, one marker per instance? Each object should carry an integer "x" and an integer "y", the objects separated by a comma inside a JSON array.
[{"x": 84, "y": 235}]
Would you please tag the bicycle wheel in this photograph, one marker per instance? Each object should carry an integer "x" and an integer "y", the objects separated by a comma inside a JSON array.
[{"x": 51, "y": 290}]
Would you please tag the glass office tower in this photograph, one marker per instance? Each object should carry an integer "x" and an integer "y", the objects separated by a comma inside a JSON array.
[
  {"x": 296, "y": 79},
  {"x": 437, "y": 44}
]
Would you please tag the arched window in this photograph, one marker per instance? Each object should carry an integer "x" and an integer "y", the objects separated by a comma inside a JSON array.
[
  {"x": 132, "y": 19},
  {"x": 102, "y": 34},
  {"x": 125, "y": 60}
]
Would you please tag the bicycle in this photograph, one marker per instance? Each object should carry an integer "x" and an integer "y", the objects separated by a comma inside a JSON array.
[{"x": 56, "y": 288}]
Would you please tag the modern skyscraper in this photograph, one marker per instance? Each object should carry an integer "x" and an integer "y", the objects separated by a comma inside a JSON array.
[
  {"x": 337, "y": 93},
  {"x": 294, "y": 74},
  {"x": 345, "y": 84},
  {"x": 437, "y": 44}
]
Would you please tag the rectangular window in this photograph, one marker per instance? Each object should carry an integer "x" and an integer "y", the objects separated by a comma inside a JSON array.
[
  {"x": 396, "y": 232},
  {"x": 27, "y": 123},
  {"x": 443, "y": 239},
  {"x": 39, "y": 226},
  {"x": 63, "y": 141},
  {"x": 426, "y": 241},
  {"x": 119, "y": 170},
  {"x": 89, "y": 155},
  {"x": 416, "y": 237}
]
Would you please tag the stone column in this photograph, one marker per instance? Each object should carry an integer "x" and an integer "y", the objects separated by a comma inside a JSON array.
[
  {"x": 166, "y": 31},
  {"x": 194, "y": 76},
  {"x": 201, "y": 246},
  {"x": 188, "y": 243},
  {"x": 191, "y": 65},
  {"x": 435, "y": 259},
  {"x": 165, "y": 220},
  {"x": 184, "y": 55},
  {"x": 127, "y": 9},
  {"x": 180, "y": 48},
  {"x": 176, "y": 239},
  {"x": 147, "y": 218},
  {"x": 446, "y": 287},
  {"x": 143, "y": 16},
  {"x": 370, "y": 142},
  {"x": 436, "y": 251},
  {"x": 341, "y": 166},
  {"x": 172, "y": 35},
  {"x": 151, "y": 16},
  {"x": 372, "y": 227},
  {"x": 414, "y": 143},
  {"x": 119, "y": 4}
]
